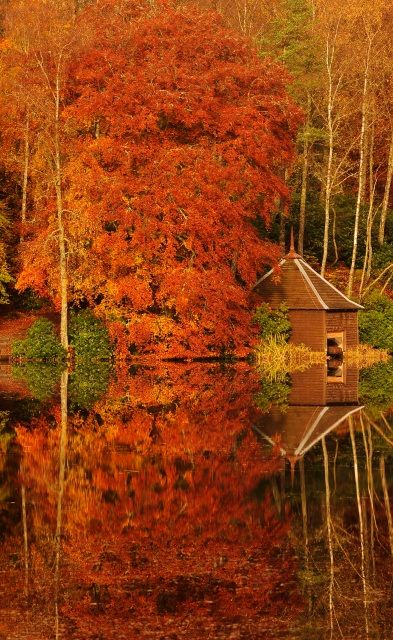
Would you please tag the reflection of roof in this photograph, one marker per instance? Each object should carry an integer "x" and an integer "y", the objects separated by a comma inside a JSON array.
[
  {"x": 301, "y": 287},
  {"x": 300, "y": 428}
]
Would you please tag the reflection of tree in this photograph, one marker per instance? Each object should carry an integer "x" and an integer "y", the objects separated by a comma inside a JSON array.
[
  {"x": 273, "y": 392},
  {"x": 60, "y": 488},
  {"x": 160, "y": 510},
  {"x": 88, "y": 380},
  {"x": 375, "y": 386},
  {"x": 346, "y": 531}
]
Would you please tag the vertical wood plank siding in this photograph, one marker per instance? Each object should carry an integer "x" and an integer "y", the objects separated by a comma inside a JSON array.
[
  {"x": 344, "y": 321},
  {"x": 344, "y": 393},
  {"x": 309, "y": 328},
  {"x": 309, "y": 387}
]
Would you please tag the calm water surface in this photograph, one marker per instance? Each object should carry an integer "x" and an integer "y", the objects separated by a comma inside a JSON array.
[{"x": 191, "y": 501}]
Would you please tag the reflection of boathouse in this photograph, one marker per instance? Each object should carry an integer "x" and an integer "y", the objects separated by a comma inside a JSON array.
[
  {"x": 315, "y": 408},
  {"x": 322, "y": 317},
  {"x": 301, "y": 428},
  {"x": 315, "y": 387}
]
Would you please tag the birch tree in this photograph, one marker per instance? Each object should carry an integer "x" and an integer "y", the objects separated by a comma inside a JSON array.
[
  {"x": 362, "y": 157},
  {"x": 45, "y": 32}
]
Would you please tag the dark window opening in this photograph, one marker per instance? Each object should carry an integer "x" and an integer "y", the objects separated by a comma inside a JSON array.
[{"x": 335, "y": 357}]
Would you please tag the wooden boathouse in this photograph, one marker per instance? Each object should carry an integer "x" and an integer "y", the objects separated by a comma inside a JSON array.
[
  {"x": 314, "y": 409},
  {"x": 322, "y": 317}
]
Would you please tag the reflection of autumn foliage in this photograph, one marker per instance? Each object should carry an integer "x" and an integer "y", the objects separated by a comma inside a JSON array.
[{"x": 165, "y": 523}]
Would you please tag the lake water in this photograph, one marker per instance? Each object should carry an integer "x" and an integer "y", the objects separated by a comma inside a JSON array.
[{"x": 193, "y": 501}]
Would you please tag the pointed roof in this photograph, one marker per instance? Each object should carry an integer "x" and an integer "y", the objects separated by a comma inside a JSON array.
[
  {"x": 301, "y": 428},
  {"x": 300, "y": 287}
]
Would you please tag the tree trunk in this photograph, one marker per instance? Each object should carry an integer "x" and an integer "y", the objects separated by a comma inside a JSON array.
[
  {"x": 361, "y": 177},
  {"x": 282, "y": 230},
  {"x": 303, "y": 193},
  {"x": 329, "y": 531},
  {"x": 385, "y": 202},
  {"x": 366, "y": 272},
  {"x": 334, "y": 238},
  {"x": 386, "y": 501},
  {"x": 303, "y": 198},
  {"x": 60, "y": 494},
  {"x": 328, "y": 186},
  {"x": 25, "y": 540},
  {"x": 60, "y": 221},
  {"x": 25, "y": 176},
  {"x": 361, "y": 522}
]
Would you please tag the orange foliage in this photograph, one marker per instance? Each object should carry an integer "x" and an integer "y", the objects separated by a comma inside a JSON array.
[{"x": 175, "y": 136}]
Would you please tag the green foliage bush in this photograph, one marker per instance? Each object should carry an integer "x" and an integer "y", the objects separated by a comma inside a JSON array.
[
  {"x": 382, "y": 256},
  {"x": 272, "y": 322},
  {"x": 42, "y": 378},
  {"x": 44, "y": 359},
  {"x": 88, "y": 383},
  {"x": 28, "y": 300},
  {"x": 41, "y": 343},
  {"x": 376, "y": 322},
  {"x": 273, "y": 392},
  {"x": 5, "y": 277},
  {"x": 89, "y": 337},
  {"x": 376, "y": 386}
]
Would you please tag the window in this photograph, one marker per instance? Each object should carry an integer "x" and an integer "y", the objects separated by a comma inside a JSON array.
[{"x": 335, "y": 347}]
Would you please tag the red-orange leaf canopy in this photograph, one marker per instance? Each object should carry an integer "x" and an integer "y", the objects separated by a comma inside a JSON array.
[{"x": 175, "y": 138}]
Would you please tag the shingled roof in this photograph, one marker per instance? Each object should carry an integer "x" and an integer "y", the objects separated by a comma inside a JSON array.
[{"x": 300, "y": 287}]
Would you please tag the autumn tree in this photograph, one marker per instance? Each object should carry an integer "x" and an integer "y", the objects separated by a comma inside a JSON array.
[
  {"x": 39, "y": 43},
  {"x": 167, "y": 139},
  {"x": 181, "y": 177}
]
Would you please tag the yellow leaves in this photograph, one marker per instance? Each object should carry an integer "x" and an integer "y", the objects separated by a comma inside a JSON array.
[{"x": 6, "y": 44}]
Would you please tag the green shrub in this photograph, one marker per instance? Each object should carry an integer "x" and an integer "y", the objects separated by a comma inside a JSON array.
[
  {"x": 376, "y": 322},
  {"x": 272, "y": 322},
  {"x": 28, "y": 300},
  {"x": 376, "y": 386},
  {"x": 41, "y": 343},
  {"x": 273, "y": 392},
  {"x": 42, "y": 378},
  {"x": 89, "y": 337},
  {"x": 88, "y": 383},
  {"x": 382, "y": 256}
]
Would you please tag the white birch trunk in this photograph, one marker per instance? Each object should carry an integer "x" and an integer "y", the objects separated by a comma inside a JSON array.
[
  {"x": 303, "y": 197},
  {"x": 329, "y": 168},
  {"x": 60, "y": 221},
  {"x": 385, "y": 202},
  {"x": 361, "y": 174}
]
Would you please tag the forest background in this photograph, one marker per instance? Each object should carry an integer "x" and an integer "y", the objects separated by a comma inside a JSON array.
[{"x": 154, "y": 155}]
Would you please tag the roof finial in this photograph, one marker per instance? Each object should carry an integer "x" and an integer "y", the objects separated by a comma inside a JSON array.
[
  {"x": 292, "y": 461},
  {"x": 292, "y": 253}
]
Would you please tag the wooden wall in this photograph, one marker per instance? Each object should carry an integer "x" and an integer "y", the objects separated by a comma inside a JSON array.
[
  {"x": 309, "y": 386},
  {"x": 346, "y": 321},
  {"x": 309, "y": 328},
  {"x": 344, "y": 392}
]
